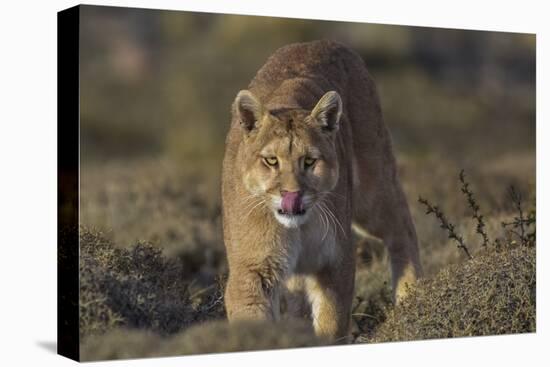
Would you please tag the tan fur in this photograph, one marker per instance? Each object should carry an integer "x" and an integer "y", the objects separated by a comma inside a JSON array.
[{"x": 312, "y": 100}]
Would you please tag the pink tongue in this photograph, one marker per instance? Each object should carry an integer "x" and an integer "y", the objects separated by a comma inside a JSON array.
[{"x": 292, "y": 202}]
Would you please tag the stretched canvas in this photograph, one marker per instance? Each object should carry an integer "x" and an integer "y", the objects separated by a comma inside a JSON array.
[{"x": 234, "y": 183}]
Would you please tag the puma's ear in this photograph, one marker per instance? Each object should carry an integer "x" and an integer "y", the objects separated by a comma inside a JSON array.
[
  {"x": 247, "y": 109},
  {"x": 328, "y": 110}
]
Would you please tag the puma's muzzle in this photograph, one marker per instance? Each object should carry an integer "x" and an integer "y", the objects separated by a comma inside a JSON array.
[{"x": 292, "y": 203}]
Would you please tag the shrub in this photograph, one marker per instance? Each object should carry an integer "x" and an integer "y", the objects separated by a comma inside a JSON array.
[
  {"x": 121, "y": 344},
  {"x": 209, "y": 337},
  {"x": 494, "y": 293},
  {"x": 137, "y": 288},
  {"x": 491, "y": 293}
]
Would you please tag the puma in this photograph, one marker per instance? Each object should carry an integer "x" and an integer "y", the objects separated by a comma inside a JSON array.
[{"x": 308, "y": 155}]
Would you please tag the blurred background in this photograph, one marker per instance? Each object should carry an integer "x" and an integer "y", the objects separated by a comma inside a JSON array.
[
  {"x": 156, "y": 91},
  {"x": 161, "y": 82}
]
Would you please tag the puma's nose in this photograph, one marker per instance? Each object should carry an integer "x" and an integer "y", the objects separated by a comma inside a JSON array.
[{"x": 291, "y": 202}]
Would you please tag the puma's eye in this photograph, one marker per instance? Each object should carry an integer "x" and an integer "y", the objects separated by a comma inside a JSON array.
[
  {"x": 308, "y": 162},
  {"x": 271, "y": 161}
]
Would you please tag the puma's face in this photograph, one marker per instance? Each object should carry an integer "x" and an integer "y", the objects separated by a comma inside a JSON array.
[{"x": 290, "y": 159}]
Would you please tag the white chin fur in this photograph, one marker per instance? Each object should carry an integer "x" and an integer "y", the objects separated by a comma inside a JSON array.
[{"x": 291, "y": 221}]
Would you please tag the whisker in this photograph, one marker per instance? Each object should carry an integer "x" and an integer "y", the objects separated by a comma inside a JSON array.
[
  {"x": 335, "y": 219},
  {"x": 327, "y": 218},
  {"x": 323, "y": 218},
  {"x": 250, "y": 198},
  {"x": 339, "y": 224},
  {"x": 250, "y": 205},
  {"x": 254, "y": 207},
  {"x": 335, "y": 194}
]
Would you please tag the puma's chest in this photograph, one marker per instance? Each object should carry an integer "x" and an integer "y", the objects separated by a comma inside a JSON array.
[{"x": 317, "y": 247}]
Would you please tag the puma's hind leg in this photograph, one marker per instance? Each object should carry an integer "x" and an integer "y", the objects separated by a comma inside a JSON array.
[{"x": 382, "y": 211}]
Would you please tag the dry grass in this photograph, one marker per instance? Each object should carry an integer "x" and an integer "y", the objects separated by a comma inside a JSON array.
[
  {"x": 138, "y": 288},
  {"x": 136, "y": 293},
  {"x": 210, "y": 337},
  {"x": 492, "y": 294},
  {"x": 161, "y": 202}
]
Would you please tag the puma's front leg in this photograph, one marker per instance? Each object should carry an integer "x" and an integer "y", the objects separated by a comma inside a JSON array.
[
  {"x": 253, "y": 296},
  {"x": 330, "y": 293}
]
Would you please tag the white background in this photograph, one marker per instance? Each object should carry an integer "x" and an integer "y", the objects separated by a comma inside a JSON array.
[{"x": 28, "y": 181}]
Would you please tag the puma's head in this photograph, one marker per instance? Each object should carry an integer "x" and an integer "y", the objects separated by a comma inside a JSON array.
[{"x": 290, "y": 161}]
